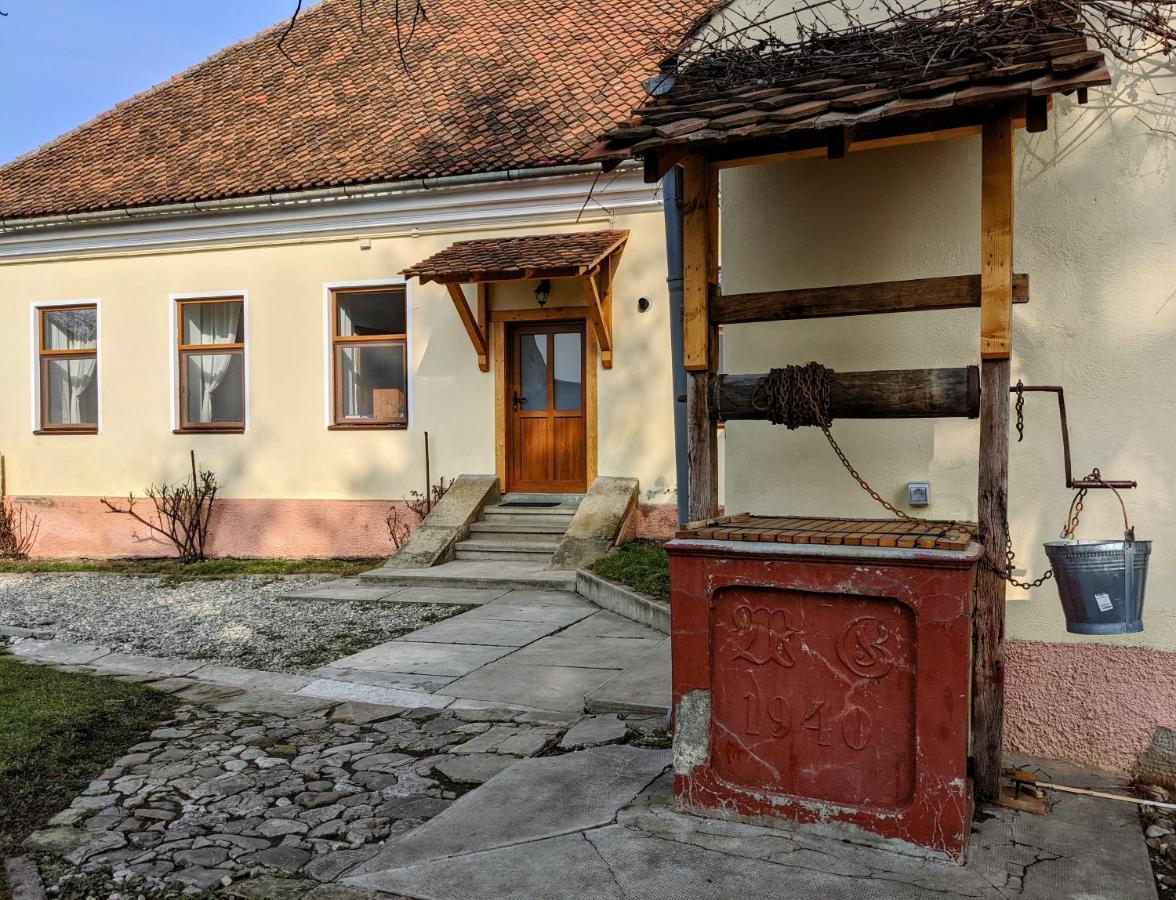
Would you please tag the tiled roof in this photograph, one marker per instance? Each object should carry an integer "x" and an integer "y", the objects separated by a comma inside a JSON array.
[
  {"x": 490, "y": 85},
  {"x": 873, "y": 95},
  {"x": 506, "y": 259}
]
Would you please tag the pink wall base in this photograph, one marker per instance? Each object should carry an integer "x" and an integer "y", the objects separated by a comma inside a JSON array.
[
  {"x": 81, "y": 527},
  {"x": 1091, "y": 704}
]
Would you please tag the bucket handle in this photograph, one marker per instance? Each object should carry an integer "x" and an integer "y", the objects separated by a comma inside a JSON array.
[{"x": 1076, "y": 508}]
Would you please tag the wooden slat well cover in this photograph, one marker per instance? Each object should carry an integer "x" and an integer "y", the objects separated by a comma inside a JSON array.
[{"x": 848, "y": 532}]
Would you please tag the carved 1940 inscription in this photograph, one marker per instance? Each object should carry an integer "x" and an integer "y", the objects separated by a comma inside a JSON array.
[{"x": 814, "y": 694}]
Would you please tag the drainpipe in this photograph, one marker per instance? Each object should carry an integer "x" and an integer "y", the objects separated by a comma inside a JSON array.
[{"x": 672, "y": 192}]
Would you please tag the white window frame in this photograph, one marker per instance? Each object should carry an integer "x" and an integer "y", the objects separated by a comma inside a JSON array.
[
  {"x": 174, "y": 301},
  {"x": 328, "y": 344},
  {"x": 35, "y": 309}
]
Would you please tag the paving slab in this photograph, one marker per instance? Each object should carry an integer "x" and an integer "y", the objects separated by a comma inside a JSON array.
[
  {"x": 251, "y": 679},
  {"x": 488, "y": 632},
  {"x": 448, "y": 596},
  {"x": 343, "y": 589},
  {"x": 610, "y": 625},
  {"x": 366, "y": 693},
  {"x": 505, "y": 574},
  {"x": 559, "y": 688},
  {"x": 587, "y": 653},
  {"x": 510, "y": 610},
  {"x": 408, "y": 681},
  {"x": 567, "y": 866},
  {"x": 272, "y": 704},
  {"x": 63, "y": 652},
  {"x": 147, "y": 665},
  {"x": 423, "y": 658},
  {"x": 535, "y": 798},
  {"x": 642, "y": 688}
]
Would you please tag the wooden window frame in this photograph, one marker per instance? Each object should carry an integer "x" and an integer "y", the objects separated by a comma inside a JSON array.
[
  {"x": 336, "y": 342},
  {"x": 43, "y": 357},
  {"x": 184, "y": 351}
]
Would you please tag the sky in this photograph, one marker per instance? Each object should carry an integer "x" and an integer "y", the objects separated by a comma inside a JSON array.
[{"x": 64, "y": 61}]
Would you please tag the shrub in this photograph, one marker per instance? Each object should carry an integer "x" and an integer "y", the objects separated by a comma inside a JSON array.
[
  {"x": 405, "y": 515},
  {"x": 183, "y": 512},
  {"x": 18, "y": 527}
]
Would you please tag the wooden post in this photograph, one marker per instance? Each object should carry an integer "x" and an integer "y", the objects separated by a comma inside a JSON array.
[
  {"x": 996, "y": 268},
  {"x": 700, "y": 344}
]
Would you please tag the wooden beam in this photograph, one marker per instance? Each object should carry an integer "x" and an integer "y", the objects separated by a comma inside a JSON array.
[
  {"x": 988, "y": 663},
  {"x": 484, "y": 312},
  {"x": 996, "y": 239},
  {"x": 697, "y": 199},
  {"x": 546, "y": 314},
  {"x": 471, "y": 326},
  {"x": 600, "y": 317},
  {"x": 914, "y": 295},
  {"x": 895, "y": 394}
]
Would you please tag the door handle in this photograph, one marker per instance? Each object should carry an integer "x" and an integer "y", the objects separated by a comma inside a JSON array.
[{"x": 517, "y": 401}]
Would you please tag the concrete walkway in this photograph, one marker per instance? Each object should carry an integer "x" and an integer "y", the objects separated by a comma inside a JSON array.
[{"x": 600, "y": 823}]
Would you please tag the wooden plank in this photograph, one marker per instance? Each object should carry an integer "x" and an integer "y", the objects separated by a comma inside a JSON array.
[
  {"x": 501, "y": 386},
  {"x": 900, "y": 140},
  {"x": 696, "y": 256},
  {"x": 892, "y": 394},
  {"x": 484, "y": 311},
  {"x": 912, "y": 295},
  {"x": 591, "y": 408},
  {"x": 471, "y": 326},
  {"x": 996, "y": 239},
  {"x": 701, "y": 449}
]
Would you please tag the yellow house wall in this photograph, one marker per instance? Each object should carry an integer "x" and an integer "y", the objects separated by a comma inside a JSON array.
[
  {"x": 288, "y": 452},
  {"x": 1095, "y": 231}
]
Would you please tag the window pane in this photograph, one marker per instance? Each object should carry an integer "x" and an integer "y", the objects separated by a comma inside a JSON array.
[
  {"x": 71, "y": 391},
  {"x": 216, "y": 388},
  {"x": 213, "y": 323},
  {"x": 366, "y": 313},
  {"x": 372, "y": 383},
  {"x": 70, "y": 329},
  {"x": 533, "y": 372},
  {"x": 569, "y": 370}
]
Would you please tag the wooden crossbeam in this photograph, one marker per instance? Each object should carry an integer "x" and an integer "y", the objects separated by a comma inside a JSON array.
[
  {"x": 472, "y": 326},
  {"x": 913, "y": 295},
  {"x": 697, "y": 200}
]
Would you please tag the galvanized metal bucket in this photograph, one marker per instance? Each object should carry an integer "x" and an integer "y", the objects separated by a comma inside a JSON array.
[{"x": 1101, "y": 583}]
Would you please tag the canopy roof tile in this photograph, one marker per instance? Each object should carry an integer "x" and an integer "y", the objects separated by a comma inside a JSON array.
[{"x": 516, "y": 258}]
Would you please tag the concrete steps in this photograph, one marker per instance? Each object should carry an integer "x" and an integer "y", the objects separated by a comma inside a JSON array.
[{"x": 520, "y": 528}]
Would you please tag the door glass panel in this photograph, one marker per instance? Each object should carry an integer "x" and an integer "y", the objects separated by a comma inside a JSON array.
[
  {"x": 533, "y": 372},
  {"x": 569, "y": 370}
]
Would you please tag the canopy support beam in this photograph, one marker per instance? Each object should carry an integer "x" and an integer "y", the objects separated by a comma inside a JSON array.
[{"x": 473, "y": 327}]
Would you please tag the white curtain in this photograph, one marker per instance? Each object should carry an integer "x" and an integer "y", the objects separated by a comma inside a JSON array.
[
  {"x": 70, "y": 379},
  {"x": 209, "y": 323},
  {"x": 349, "y": 366}
]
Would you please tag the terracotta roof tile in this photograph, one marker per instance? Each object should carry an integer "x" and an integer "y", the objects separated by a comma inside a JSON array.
[
  {"x": 506, "y": 259},
  {"x": 490, "y": 85}
]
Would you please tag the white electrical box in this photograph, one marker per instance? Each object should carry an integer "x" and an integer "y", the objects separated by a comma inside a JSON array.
[{"x": 918, "y": 493}]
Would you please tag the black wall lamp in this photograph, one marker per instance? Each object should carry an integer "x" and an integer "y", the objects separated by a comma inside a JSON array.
[{"x": 543, "y": 292}]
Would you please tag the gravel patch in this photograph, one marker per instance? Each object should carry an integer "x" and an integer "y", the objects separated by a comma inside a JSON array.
[{"x": 241, "y": 621}]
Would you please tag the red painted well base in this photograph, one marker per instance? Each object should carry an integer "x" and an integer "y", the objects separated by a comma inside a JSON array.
[{"x": 835, "y": 680}]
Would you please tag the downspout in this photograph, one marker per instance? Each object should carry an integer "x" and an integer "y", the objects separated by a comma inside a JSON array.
[{"x": 671, "y": 192}]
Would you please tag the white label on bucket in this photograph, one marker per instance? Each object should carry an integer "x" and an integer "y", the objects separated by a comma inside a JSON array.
[{"x": 1104, "y": 602}]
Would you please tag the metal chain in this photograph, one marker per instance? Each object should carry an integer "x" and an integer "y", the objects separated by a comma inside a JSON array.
[{"x": 1072, "y": 519}]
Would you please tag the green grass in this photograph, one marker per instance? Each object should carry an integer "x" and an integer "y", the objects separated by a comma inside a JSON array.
[
  {"x": 212, "y": 568},
  {"x": 640, "y": 565},
  {"x": 57, "y": 733}
]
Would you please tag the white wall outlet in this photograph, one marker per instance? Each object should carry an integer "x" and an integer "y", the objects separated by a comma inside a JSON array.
[{"x": 918, "y": 493}]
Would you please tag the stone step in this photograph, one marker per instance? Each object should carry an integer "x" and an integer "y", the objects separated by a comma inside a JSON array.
[
  {"x": 641, "y": 689},
  {"x": 496, "y": 530},
  {"x": 529, "y": 574},
  {"x": 512, "y": 550},
  {"x": 557, "y": 520}
]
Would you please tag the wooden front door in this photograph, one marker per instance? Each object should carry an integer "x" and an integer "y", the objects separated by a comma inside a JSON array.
[{"x": 546, "y": 423}]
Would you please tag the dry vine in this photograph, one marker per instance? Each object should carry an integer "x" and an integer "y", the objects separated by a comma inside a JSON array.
[
  {"x": 183, "y": 512},
  {"x": 418, "y": 505},
  {"x": 18, "y": 527},
  {"x": 731, "y": 49}
]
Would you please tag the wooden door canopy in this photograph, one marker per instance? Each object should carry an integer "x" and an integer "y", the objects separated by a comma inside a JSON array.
[
  {"x": 835, "y": 531},
  {"x": 895, "y": 394},
  {"x": 912, "y": 295},
  {"x": 590, "y": 257}
]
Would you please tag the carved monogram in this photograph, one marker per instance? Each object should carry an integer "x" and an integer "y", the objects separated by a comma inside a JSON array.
[
  {"x": 763, "y": 635},
  {"x": 863, "y": 648}
]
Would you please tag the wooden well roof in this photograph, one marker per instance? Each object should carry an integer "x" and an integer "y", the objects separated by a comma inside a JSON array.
[
  {"x": 795, "y": 102},
  {"x": 516, "y": 258}
]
